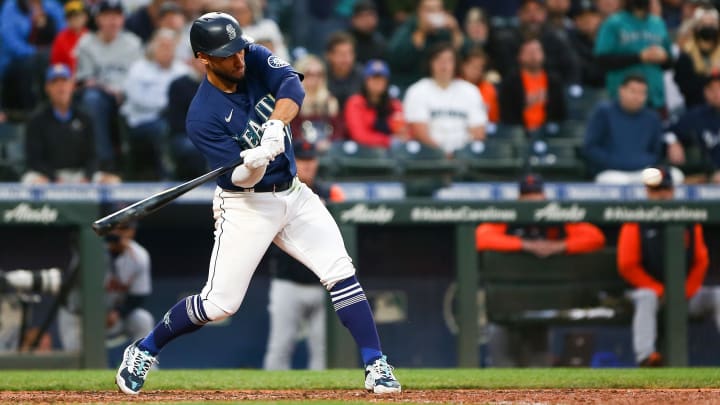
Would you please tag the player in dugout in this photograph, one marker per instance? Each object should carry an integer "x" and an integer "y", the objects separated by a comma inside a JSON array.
[
  {"x": 540, "y": 240},
  {"x": 641, "y": 265}
]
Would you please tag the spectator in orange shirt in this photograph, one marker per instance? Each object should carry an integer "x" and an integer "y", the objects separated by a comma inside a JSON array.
[
  {"x": 640, "y": 263},
  {"x": 374, "y": 118},
  {"x": 532, "y": 96},
  {"x": 540, "y": 240},
  {"x": 472, "y": 69},
  {"x": 63, "y": 47}
]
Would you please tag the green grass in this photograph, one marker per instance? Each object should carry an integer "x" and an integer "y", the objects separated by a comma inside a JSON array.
[{"x": 352, "y": 379}]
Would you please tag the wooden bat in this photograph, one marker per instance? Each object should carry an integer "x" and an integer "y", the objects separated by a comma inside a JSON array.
[{"x": 153, "y": 203}]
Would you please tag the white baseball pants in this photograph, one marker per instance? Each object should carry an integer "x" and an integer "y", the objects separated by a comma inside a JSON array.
[{"x": 245, "y": 225}]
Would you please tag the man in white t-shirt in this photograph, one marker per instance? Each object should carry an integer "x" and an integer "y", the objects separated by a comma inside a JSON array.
[{"x": 442, "y": 111}]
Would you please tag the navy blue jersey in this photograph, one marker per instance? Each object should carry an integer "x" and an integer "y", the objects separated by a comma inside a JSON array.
[{"x": 222, "y": 124}]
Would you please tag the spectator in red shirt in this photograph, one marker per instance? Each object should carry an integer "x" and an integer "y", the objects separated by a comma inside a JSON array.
[
  {"x": 63, "y": 47},
  {"x": 373, "y": 117}
]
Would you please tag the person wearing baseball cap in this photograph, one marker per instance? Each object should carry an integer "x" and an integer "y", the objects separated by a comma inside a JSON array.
[
  {"x": 540, "y": 240},
  {"x": 373, "y": 117},
  {"x": 63, "y": 47},
  {"x": 586, "y": 20},
  {"x": 369, "y": 42},
  {"x": 61, "y": 148},
  {"x": 640, "y": 264}
]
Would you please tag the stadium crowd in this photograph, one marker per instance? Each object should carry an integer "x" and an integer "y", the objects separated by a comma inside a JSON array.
[{"x": 100, "y": 88}]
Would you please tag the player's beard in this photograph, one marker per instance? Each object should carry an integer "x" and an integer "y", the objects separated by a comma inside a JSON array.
[{"x": 228, "y": 78}]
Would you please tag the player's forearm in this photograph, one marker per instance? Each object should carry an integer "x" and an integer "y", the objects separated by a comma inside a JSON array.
[
  {"x": 285, "y": 110},
  {"x": 243, "y": 176}
]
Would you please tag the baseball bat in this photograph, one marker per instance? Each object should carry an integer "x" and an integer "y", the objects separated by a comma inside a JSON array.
[{"x": 153, "y": 203}]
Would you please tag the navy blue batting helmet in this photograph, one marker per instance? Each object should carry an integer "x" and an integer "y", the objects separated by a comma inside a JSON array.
[{"x": 217, "y": 34}]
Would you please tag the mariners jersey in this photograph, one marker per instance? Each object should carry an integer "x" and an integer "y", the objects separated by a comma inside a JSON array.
[
  {"x": 222, "y": 124},
  {"x": 449, "y": 112}
]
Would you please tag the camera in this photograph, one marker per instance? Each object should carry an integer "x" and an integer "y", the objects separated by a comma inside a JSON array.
[{"x": 35, "y": 281}]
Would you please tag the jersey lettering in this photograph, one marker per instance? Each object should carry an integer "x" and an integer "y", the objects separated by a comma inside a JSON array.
[{"x": 252, "y": 135}]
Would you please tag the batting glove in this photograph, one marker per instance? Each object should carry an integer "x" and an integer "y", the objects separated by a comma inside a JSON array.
[
  {"x": 256, "y": 157},
  {"x": 273, "y": 137}
]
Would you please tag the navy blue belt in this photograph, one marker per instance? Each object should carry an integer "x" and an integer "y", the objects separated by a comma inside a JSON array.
[{"x": 268, "y": 188}]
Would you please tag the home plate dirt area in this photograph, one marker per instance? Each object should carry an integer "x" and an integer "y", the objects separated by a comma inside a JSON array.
[{"x": 500, "y": 396}]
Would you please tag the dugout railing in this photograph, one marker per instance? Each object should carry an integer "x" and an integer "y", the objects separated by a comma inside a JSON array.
[{"x": 354, "y": 218}]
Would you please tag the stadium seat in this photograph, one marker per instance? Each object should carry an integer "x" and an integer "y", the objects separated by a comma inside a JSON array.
[
  {"x": 514, "y": 133},
  {"x": 579, "y": 108},
  {"x": 696, "y": 161},
  {"x": 351, "y": 160},
  {"x": 419, "y": 160},
  {"x": 493, "y": 159},
  {"x": 12, "y": 151},
  {"x": 557, "y": 159}
]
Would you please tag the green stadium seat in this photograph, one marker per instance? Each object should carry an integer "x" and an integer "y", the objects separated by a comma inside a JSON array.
[
  {"x": 514, "y": 133},
  {"x": 351, "y": 160},
  {"x": 557, "y": 159},
  {"x": 419, "y": 160},
  {"x": 696, "y": 160},
  {"x": 493, "y": 159},
  {"x": 579, "y": 108}
]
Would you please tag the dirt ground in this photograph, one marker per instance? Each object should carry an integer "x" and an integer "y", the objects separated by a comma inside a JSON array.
[{"x": 505, "y": 397}]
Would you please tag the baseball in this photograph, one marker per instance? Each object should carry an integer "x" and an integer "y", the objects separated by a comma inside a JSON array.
[{"x": 652, "y": 177}]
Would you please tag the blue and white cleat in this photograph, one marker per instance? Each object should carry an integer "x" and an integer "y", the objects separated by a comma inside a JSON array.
[
  {"x": 379, "y": 377},
  {"x": 133, "y": 370}
]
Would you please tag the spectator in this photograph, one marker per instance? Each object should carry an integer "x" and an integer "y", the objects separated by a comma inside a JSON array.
[
  {"x": 476, "y": 29},
  {"x": 558, "y": 19},
  {"x": 315, "y": 20},
  {"x": 146, "y": 91},
  {"x": 542, "y": 241},
  {"x": 27, "y": 30},
  {"x": 249, "y": 15},
  {"x": 188, "y": 161},
  {"x": 531, "y": 95},
  {"x": 701, "y": 126},
  {"x": 319, "y": 120},
  {"x": 60, "y": 146},
  {"x": 532, "y": 18},
  {"x": 144, "y": 20},
  {"x": 297, "y": 301},
  {"x": 700, "y": 56},
  {"x": 63, "y": 47},
  {"x": 635, "y": 41},
  {"x": 128, "y": 282},
  {"x": 369, "y": 42},
  {"x": 641, "y": 263},
  {"x": 472, "y": 69},
  {"x": 373, "y": 117},
  {"x": 410, "y": 43},
  {"x": 582, "y": 38},
  {"x": 103, "y": 59},
  {"x": 344, "y": 76},
  {"x": 606, "y": 8},
  {"x": 442, "y": 111},
  {"x": 624, "y": 136}
]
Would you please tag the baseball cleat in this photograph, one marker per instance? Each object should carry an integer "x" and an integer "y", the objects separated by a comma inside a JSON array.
[
  {"x": 134, "y": 368},
  {"x": 379, "y": 377}
]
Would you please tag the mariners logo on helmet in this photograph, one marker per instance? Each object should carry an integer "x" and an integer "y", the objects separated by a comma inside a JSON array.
[
  {"x": 276, "y": 62},
  {"x": 231, "y": 32}
]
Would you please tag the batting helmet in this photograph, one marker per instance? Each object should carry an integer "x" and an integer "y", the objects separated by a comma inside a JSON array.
[{"x": 217, "y": 34}]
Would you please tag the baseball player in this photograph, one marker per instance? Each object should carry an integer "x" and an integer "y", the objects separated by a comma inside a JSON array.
[
  {"x": 243, "y": 107},
  {"x": 127, "y": 283}
]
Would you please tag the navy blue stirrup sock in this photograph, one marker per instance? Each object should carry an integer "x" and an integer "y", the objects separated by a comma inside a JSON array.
[
  {"x": 188, "y": 315},
  {"x": 354, "y": 311}
]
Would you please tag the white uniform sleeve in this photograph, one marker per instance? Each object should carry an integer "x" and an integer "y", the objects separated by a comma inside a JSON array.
[
  {"x": 477, "y": 116},
  {"x": 415, "y": 105},
  {"x": 85, "y": 63},
  {"x": 141, "y": 283}
]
